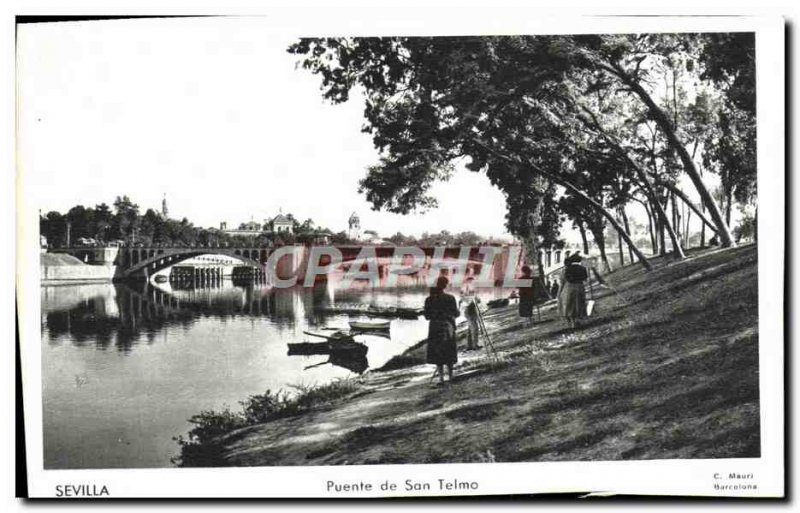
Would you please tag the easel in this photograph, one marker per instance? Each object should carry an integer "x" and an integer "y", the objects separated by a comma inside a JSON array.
[{"x": 484, "y": 332}]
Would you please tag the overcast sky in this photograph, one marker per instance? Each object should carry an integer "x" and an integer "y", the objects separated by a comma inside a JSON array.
[{"x": 212, "y": 113}]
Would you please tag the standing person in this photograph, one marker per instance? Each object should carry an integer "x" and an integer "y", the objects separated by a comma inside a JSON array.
[
  {"x": 572, "y": 296},
  {"x": 441, "y": 310},
  {"x": 554, "y": 289},
  {"x": 526, "y": 296},
  {"x": 470, "y": 302}
]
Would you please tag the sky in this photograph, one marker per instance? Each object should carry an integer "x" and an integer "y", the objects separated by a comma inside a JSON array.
[{"x": 212, "y": 113}]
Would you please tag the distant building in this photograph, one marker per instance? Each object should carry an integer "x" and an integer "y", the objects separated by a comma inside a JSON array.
[
  {"x": 164, "y": 209},
  {"x": 251, "y": 229},
  {"x": 371, "y": 237},
  {"x": 252, "y": 226},
  {"x": 282, "y": 224},
  {"x": 321, "y": 238}
]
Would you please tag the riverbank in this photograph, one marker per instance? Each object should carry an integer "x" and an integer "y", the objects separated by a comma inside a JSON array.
[
  {"x": 667, "y": 368},
  {"x": 64, "y": 269}
]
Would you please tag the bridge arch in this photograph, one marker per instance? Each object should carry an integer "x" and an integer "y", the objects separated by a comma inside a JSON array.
[{"x": 139, "y": 263}]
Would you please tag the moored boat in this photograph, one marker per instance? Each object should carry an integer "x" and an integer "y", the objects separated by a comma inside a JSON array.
[
  {"x": 370, "y": 325},
  {"x": 372, "y": 311},
  {"x": 498, "y": 303},
  {"x": 341, "y": 348}
]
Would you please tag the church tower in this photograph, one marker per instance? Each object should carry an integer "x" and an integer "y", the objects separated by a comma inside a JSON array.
[
  {"x": 354, "y": 227},
  {"x": 164, "y": 210}
]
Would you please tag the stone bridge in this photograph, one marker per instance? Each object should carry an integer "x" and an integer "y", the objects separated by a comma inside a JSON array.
[{"x": 142, "y": 262}]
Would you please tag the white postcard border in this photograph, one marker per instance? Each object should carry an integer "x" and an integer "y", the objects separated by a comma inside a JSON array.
[{"x": 661, "y": 477}]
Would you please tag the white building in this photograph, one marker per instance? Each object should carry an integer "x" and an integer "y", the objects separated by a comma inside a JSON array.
[{"x": 282, "y": 224}]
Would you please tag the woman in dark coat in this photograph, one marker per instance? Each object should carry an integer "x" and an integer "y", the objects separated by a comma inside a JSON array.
[
  {"x": 441, "y": 309},
  {"x": 572, "y": 295},
  {"x": 526, "y": 296}
]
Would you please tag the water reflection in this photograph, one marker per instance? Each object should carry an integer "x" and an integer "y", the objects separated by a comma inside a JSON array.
[
  {"x": 124, "y": 366},
  {"x": 118, "y": 315}
]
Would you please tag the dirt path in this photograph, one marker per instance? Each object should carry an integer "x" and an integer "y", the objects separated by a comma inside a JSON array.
[{"x": 671, "y": 374}]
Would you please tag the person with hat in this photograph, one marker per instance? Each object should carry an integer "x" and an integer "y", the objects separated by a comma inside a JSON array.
[
  {"x": 572, "y": 295},
  {"x": 527, "y": 297},
  {"x": 554, "y": 289},
  {"x": 441, "y": 309}
]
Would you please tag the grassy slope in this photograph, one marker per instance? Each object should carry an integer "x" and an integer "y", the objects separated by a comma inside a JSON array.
[{"x": 673, "y": 374}]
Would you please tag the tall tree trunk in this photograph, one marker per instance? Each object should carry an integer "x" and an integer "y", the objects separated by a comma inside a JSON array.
[
  {"x": 627, "y": 226},
  {"x": 600, "y": 240},
  {"x": 664, "y": 123},
  {"x": 703, "y": 225},
  {"x": 676, "y": 223},
  {"x": 755, "y": 225},
  {"x": 688, "y": 216},
  {"x": 651, "y": 229},
  {"x": 620, "y": 248},
  {"x": 640, "y": 173},
  {"x": 582, "y": 229},
  {"x": 683, "y": 197},
  {"x": 728, "y": 202},
  {"x": 703, "y": 236},
  {"x": 531, "y": 248},
  {"x": 600, "y": 210},
  {"x": 569, "y": 185}
]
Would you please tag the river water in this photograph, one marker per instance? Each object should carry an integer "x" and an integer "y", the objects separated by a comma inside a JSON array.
[{"x": 125, "y": 366}]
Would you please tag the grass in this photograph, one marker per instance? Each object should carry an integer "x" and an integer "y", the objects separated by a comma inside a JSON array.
[
  {"x": 202, "y": 445},
  {"x": 669, "y": 372}
]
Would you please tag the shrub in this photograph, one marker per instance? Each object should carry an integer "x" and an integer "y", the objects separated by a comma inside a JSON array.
[{"x": 202, "y": 446}]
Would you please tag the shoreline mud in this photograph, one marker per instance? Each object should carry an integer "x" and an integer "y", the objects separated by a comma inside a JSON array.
[{"x": 627, "y": 384}]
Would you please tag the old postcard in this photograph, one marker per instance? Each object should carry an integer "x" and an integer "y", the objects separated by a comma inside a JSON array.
[{"x": 344, "y": 254}]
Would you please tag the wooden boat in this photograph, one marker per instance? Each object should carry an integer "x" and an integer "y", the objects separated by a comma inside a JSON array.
[
  {"x": 497, "y": 303},
  {"x": 340, "y": 348},
  {"x": 370, "y": 325},
  {"x": 339, "y": 343},
  {"x": 160, "y": 278},
  {"x": 372, "y": 311}
]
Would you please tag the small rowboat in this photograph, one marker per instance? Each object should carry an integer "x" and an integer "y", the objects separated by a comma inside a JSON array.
[
  {"x": 343, "y": 349},
  {"x": 370, "y": 325},
  {"x": 371, "y": 311},
  {"x": 497, "y": 303}
]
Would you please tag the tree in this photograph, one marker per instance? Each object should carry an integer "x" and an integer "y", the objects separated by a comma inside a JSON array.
[
  {"x": 126, "y": 219},
  {"x": 621, "y": 58},
  {"x": 103, "y": 219},
  {"x": 307, "y": 226},
  {"x": 399, "y": 239},
  {"x": 430, "y": 101},
  {"x": 54, "y": 227},
  {"x": 587, "y": 218}
]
